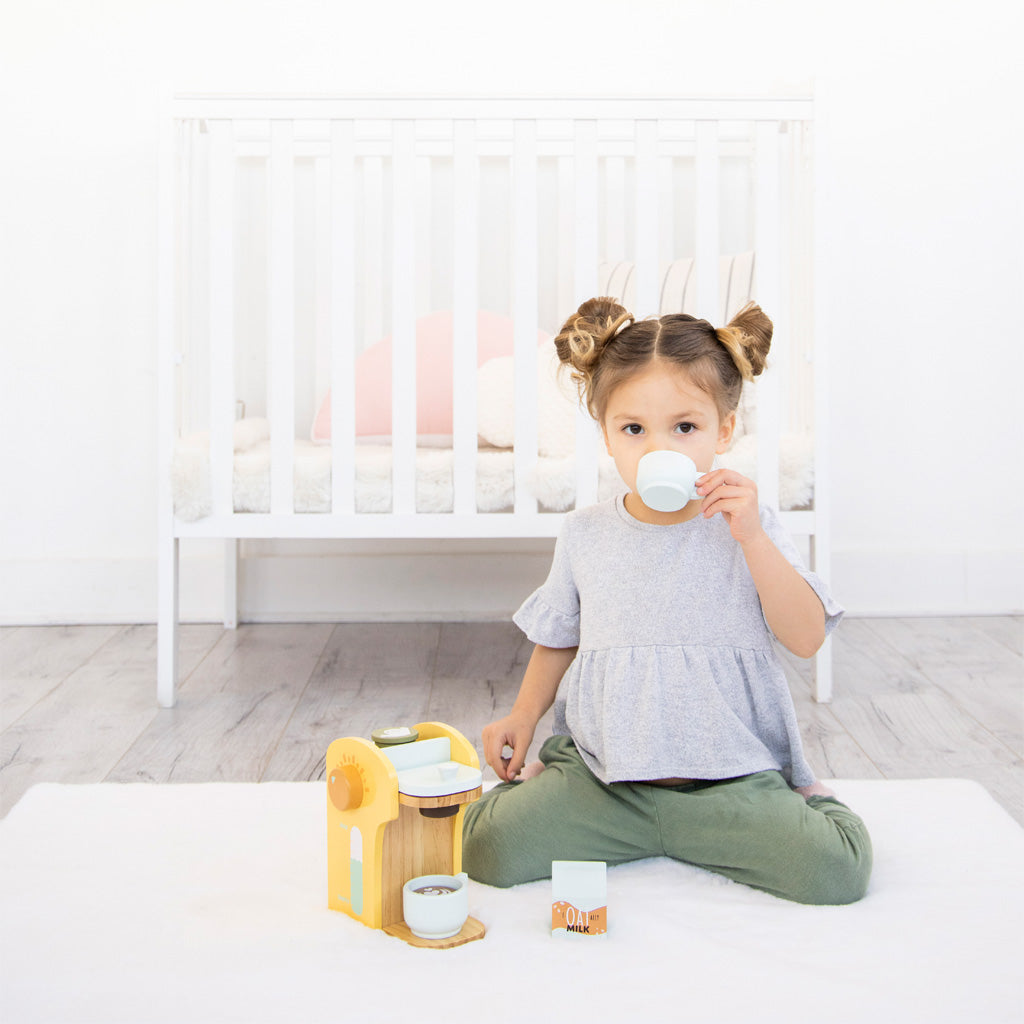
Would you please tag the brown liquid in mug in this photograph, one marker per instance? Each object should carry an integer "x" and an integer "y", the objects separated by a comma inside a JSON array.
[{"x": 434, "y": 890}]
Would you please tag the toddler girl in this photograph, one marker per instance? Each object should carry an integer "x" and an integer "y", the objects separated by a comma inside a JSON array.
[{"x": 675, "y": 729}]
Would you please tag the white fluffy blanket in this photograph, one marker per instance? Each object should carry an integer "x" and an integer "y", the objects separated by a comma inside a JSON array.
[
  {"x": 553, "y": 481},
  {"x": 208, "y": 903}
]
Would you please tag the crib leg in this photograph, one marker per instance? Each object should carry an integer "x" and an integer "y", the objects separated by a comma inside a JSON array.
[
  {"x": 167, "y": 624},
  {"x": 823, "y": 673},
  {"x": 231, "y": 583},
  {"x": 823, "y": 659}
]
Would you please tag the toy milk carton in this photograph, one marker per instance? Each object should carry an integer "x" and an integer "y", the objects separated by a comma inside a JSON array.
[{"x": 579, "y": 897}]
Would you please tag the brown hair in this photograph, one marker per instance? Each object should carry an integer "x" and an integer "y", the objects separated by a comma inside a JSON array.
[{"x": 603, "y": 345}]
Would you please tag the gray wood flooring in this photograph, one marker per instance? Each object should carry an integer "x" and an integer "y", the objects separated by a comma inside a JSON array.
[{"x": 915, "y": 698}]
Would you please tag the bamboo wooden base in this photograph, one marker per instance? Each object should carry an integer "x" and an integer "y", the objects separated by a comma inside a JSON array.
[{"x": 471, "y": 931}]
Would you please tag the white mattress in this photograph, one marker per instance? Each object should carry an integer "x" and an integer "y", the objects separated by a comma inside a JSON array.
[{"x": 552, "y": 482}]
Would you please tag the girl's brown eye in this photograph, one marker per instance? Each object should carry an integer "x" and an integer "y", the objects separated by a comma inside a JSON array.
[{"x": 633, "y": 428}]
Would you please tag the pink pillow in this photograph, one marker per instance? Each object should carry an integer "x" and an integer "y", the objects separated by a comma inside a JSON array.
[{"x": 433, "y": 375}]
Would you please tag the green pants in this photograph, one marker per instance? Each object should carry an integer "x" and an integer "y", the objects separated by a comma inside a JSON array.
[{"x": 753, "y": 829}]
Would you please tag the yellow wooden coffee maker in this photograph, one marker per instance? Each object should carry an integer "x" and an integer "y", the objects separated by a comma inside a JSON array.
[{"x": 394, "y": 812}]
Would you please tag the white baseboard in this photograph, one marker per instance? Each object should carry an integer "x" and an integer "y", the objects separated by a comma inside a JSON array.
[
  {"x": 440, "y": 581},
  {"x": 902, "y": 583},
  {"x": 435, "y": 582}
]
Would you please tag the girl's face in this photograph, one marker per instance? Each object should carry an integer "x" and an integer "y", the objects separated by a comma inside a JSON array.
[{"x": 659, "y": 407}]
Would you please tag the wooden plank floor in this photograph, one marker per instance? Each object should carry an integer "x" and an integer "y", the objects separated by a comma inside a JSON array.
[{"x": 915, "y": 698}]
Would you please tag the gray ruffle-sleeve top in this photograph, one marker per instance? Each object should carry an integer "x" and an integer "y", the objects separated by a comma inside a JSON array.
[{"x": 676, "y": 674}]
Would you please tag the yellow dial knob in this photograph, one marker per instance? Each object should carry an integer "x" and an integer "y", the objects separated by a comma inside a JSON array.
[{"x": 345, "y": 787}]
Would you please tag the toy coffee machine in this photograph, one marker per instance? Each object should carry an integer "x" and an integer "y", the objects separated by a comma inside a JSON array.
[{"x": 394, "y": 813}]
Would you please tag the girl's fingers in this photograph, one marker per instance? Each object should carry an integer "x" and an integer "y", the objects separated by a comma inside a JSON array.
[
  {"x": 511, "y": 762},
  {"x": 724, "y": 507},
  {"x": 735, "y": 496},
  {"x": 720, "y": 477},
  {"x": 495, "y": 746}
]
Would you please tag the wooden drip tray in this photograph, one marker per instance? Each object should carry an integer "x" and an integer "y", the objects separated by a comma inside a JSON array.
[{"x": 471, "y": 931}]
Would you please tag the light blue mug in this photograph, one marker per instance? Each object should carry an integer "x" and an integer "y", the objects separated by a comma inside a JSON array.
[
  {"x": 436, "y": 906},
  {"x": 666, "y": 480}
]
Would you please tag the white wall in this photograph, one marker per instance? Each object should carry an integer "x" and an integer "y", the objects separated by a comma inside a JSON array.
[{"x": 923, "y": 272}]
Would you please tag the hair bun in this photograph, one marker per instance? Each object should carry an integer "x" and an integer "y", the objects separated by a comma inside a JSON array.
[
  {"x": 583, "y": 336},
  {"x": 747, "y": 337}
]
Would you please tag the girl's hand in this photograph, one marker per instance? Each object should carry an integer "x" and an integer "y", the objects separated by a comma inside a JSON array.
[
  {"x": 511, "y": 731},
  {"x": 792, "y": 610},
  {"x": 734, "y": 496}
]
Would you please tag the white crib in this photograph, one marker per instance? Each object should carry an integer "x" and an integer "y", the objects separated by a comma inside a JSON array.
[{"x": 307, "y": 245}]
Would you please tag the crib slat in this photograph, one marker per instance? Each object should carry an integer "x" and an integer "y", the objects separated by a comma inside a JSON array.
[
  {"x": 464, "y": 304},
  {"x": 403, "y": 319},
  {"x": 374, "y": 271},
  {"x": 566, "y": 237},
  {"x": 799, "y": 278},
  {"x": 614, "y": 208},
  {"x": 524, "y": 309},
  {"x": 769, "y": 296},
  {"x": 667, "y": 251},
  {"x": 707, "y": 222},
  {"x": 647, "y": 276},
  {"x": 425, "y": 236},
  {"x": 191, "y": 404},
  {"x": 281, "y": 316},
  {"x": 342, "y": 305},
  {"x": 222, "y": 313},
  {"x": 586, "y": 221},
  {"x": 585, "y": 278},
  {"x": 317, "y": 378}
]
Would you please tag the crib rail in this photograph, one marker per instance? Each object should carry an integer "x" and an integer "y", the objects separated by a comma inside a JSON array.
[{"x": 295, "y": 232}]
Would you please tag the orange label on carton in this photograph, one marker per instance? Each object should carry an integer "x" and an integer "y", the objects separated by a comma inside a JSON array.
[{"x": 585, "y": 922}]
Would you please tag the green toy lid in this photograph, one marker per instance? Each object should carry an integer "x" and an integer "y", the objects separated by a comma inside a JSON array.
[{"x": 393, "y": 736}]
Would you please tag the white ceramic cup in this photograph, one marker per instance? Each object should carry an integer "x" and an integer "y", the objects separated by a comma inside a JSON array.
[
  {"x": 436, "y": 906},
  {"x": 667, "y": 480}
]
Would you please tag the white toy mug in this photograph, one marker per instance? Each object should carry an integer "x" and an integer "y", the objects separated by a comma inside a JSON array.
[
  {"x": 436, "y": 906},
  {"x": 666, "y": 480}
]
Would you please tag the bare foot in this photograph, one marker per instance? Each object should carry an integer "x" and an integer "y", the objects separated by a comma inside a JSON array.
[{"x": 814, "y": 789}]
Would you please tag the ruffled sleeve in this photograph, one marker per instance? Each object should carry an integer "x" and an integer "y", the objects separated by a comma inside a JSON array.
[
  {"x": 833, "y": 610},
  {"x": 550, "y": 616}
]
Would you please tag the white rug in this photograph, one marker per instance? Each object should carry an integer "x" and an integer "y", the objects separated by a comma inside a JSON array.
[{"x": 207, "y": 904}]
